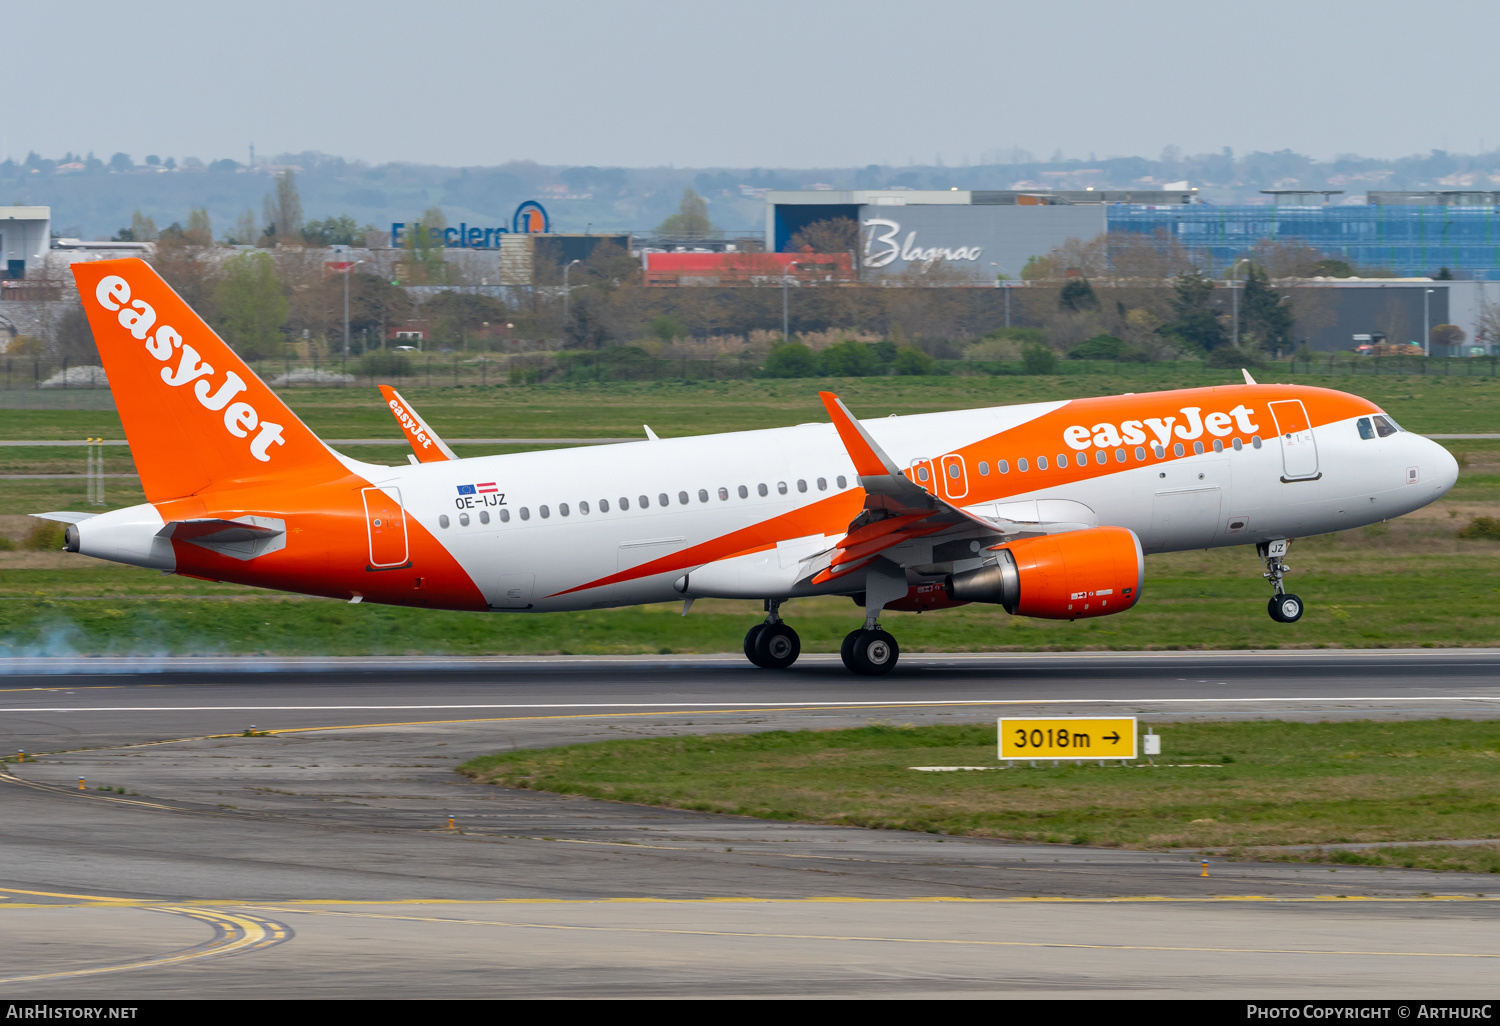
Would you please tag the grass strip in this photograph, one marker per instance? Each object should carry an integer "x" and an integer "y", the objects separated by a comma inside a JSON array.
[
  {"x": 1264, "y": 783},
  {"x": 1469, "y": 858}
]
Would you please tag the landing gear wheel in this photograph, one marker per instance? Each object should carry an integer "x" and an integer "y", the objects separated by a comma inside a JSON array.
[
  {"x": 870, "y": 653},
  {"x": 846, "y": 648},
  {"x": 777, "y": 646},
  {"x": 750, "y": 638},
  {"x": 1285, "y": 608}
]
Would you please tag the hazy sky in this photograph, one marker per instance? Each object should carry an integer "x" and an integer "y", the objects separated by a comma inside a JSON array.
[{"x": 770, "y": 83}]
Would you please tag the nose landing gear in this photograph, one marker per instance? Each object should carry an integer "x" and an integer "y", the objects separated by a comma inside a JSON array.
[
  {"x": 772, "y": 645},
  {"x": 1283, "y": 607}
]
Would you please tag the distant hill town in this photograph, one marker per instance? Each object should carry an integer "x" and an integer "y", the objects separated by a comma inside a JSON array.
[{"x": 92, "y": 197}]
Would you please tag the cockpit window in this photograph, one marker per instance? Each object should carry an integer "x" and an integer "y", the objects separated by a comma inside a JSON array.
[
  {"x": 1366, "y": 431},
  {"x": 1384, "y": 427}
]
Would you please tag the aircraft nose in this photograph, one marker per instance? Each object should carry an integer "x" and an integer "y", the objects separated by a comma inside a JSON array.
[{"x": 1445, "y": 468}]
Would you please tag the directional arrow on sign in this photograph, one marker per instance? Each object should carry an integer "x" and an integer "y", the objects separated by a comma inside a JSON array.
[{"x": 1113, "y": 738}]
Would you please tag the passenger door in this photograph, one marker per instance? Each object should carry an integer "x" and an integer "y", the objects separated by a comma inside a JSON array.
[
  {"x": 1299, "y": 451},
  {"x": 385, "y": 522}
]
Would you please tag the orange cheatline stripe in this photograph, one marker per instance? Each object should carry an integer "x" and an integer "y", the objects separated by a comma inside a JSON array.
[{"x": 825, "y": 516}]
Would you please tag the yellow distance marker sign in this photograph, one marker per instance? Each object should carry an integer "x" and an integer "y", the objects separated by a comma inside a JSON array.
[{"x": 1067, "y": 738}]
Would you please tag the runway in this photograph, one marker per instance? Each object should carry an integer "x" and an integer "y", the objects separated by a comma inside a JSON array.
[{"x": 317, "y": 861}]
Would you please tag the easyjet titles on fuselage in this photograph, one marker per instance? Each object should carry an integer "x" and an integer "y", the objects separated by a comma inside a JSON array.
[{"x": 1133, "y": 432}]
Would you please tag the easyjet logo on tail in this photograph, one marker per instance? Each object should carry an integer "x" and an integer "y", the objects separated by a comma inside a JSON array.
[
  {"x": 240, "y": 418},
  {"x": 1133, "y": 432}
]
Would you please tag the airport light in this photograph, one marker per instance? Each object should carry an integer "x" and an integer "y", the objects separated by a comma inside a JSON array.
[
  {"x": 1426, "y": 331},
  {"x": 566, "y": 268},
  {"x": 1234, "y": 298}
]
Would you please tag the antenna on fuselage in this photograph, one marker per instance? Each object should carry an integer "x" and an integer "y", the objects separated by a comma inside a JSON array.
[
  {"x": 651, "y": 435},
  {"x": 1248, "y": 379}
]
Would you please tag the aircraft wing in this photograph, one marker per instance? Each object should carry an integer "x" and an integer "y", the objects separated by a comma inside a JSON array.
[
  {"x": 897, "y": 509},
  {"x": 424, "y": 441}
]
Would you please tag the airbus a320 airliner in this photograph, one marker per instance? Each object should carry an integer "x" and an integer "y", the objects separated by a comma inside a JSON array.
[{"x": 1046, "y": 509}]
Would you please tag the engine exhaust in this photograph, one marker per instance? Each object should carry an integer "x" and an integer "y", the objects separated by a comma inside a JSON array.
[{"x": 1000, "y": 583}]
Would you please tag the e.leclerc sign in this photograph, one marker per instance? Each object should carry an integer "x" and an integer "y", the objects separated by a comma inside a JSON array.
[{"x": 530, "y": 218}]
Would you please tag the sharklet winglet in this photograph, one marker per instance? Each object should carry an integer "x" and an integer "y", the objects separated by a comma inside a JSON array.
[{"x": 869, "y": 458}]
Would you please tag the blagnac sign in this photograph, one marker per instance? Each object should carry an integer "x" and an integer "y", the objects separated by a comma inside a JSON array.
[{"x": 883, "y": 246}]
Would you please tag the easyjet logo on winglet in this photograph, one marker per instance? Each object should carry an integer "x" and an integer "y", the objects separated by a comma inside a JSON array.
[
  {"x": 411, "y": 424},
  {"x": 138, "y": 317},
  {"x": 1133, "y": 432}
]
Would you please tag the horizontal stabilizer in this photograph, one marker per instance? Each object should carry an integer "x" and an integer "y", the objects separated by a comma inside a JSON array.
[
  {"x": 244, "y": 538},
  {"x": 64, "y": 517}
]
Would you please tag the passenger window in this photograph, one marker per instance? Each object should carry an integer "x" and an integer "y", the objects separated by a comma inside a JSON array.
[
  {"x": 484, "y": 516},
  {"x": 1082, "y": 460},
  {"x": 1218, "y": 445},
  {"x": 1255, "y": 441},
  {"x": 463, "y": 519},
  {"x": 822, "y": 484},
  {"x": 1003, "y": 466},
  {"x": 583, "y": 508},
  {"x": 1101, "y": 457},
  {"x": 562, "y": 507},
  {"x": 1119, "y": 455},
  {"x": 744, "y": 492},
  {"x": 603, "y": 505},
  {"x": 921, "y": 473},
  {"x": 1140, "y": 452},
  {"x": 842, "y": 482},
  {"x": 1366, "y": 430},
  {"x": 682, "y": 499},
  {"x": 624, "y": 503},
  {"x": 1383, "y": 427},
  {"x": 1197, "y": 448},
  {"x": 702, "y": 494},
  {"x": 504, "y": 516},
  {"x": 1062, "y": 461},
  {"x": 781, "y": 487},
  {"x": 1179, "y": 450},
  {"x": 644, "y": 500},
  {"x": 762, "y": 490},
  {"x": 1238, "y": 445},
  {"x": 1041, "y": 463},
  {"x": 1158, "y": 451},
  {"x": 1021, "y": 465},
  {"x": 984, "y": 469},
  {"x": 443, "y": 521},
  {"x": 801, "y": 485},
  {"x": 543, "y": 510},
  {"x": 525, "y": 513},
  {"x": 663, "y": 500},
  {"x": 723, "y": 494}
]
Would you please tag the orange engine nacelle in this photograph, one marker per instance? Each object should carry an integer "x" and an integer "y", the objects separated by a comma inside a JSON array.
[{"x": 1093, "y": 572}]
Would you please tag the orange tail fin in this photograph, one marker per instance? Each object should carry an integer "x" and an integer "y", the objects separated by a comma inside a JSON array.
[{"x": 195, "y": 415}]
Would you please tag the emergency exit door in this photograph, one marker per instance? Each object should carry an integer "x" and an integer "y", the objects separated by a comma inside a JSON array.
[
  {"x": 1299, "y": 451},
  {"x": 385, "y": 521}
]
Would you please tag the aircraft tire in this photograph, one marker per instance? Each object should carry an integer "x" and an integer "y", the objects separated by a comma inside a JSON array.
[
  {"x": 777, "y": 646},
  {"x": 750, "y": 638},
  {"x": 846, "y": 649},
  {"x": 1286, "y": 609},
  {"x": 873, "y": 653}
]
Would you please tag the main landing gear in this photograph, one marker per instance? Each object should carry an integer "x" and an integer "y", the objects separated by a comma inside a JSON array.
[
  {"x": 870, "y": 651},
  {"x": 1283, "y": 607},
  {"x": 772, "y": 645}
]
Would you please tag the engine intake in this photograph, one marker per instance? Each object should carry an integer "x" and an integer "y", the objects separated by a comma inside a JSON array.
[{"x": 1069, "y": 576}]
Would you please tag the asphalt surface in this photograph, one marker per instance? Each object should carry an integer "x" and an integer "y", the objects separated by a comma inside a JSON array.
[{"x": 318, "y": 861}]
